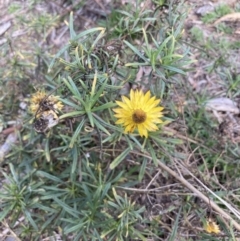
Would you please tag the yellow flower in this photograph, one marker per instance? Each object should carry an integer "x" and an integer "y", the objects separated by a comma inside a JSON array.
[
  {"x": 140, "y": 111},
  {"x": 211, "y": 227},
  {"x": 41, "y": 102}
]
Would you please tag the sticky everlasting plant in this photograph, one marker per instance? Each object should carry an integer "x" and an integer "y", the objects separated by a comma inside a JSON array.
[
  {"x": 80, "y": 172},
  {"x": 140, "y": 112},
  {"x": 45, "y": 108},
  {"x": 41, "y": 102}
]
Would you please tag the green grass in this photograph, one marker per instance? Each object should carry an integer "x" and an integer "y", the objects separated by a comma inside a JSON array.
[
  {"x": 85, "y": 179},
  {"x": 219, "y": 11}
]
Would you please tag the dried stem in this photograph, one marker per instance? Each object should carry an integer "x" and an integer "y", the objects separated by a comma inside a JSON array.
[{"x": 199, "y": 194}]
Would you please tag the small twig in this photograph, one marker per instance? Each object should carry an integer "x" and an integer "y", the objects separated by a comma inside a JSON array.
[
  {"x": 198, "y": 193},
  {"x": 11, "y": 129},
  {"x": 152, "y": 180},
  {"x": 146, "y": 190},
  {"x": 232, "y": 209},
  {"x": 10, "y": 230}
]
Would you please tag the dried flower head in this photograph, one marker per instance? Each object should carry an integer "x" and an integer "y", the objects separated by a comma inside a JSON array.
[
  {"x": 41, "y": 102},
  {"x": 45, "y": 121},
  {"x": 140, "y": 111},
  {"x": 211, "y": 227}
]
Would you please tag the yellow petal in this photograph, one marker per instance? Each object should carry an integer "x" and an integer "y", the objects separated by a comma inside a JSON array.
[
  {"x": 211, "y": 227},
  {"x": 138, "y": 101}
]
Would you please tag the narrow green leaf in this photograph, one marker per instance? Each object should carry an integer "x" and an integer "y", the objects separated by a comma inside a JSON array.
[
  {"x": 71, "y": 29},
  {"x": 45, "y": 208},
  {"x": 136, "y": 51},
  {"x": 174, "y": 141},
  {"x": 129, "y": 142},
  {"x": 74, "y": 88},
  {"x": 136, "y": 141},
  {"x": 5, "y": 212},
  {"x": 153, "y": 154},
  {"x": 116, "y": 128},
  {"x": 104, "y": 106},
  {"x": 99, "y": 92},
  {"x": 46, "y": 151},
  {"x": 72, "y": 114},
  {"x": 48, "y": 222},
  {"x": 159, "y": 140},
  {"x": 82, "y": 34},
  {"x": 120, "y": 158},
  {"x": 173, "y": 69},
  {"x": 163, "y": 44},
  {"x": 101, "y": 127},
  {"x": 137, "y": 64},
  {"x": 113, "y": 204},
  {"x": 58, "y": 54},
  {"x": 48, "y": 176},
  {"x": 125, "y": 13},
  {"x": 67, "y": 102},
  {"x": 101, "y": 34},
  {"x": 175, "y": 227},
  {"x": 30, "y": 219},
  {"x": 14, "y": 175},
  {"x": 67, "y": 208},
  {"x": 90, "y": 118},
  {"x": 145, "y": 38},
  {"x": 172, "y": 57},
  {"x": 51, "y": 196},
  {"x": 75, "y": 228},
  {"x": 77, "y": 133},
  {"x": 75, "y": 160},
  {"x": 142, "y": 169}
]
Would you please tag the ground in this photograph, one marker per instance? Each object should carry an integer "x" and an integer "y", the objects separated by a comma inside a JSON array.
[{"x": 198, "y": 176}]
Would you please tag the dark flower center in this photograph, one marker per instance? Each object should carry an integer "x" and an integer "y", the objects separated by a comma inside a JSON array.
[{"x": 139, "y": 116}]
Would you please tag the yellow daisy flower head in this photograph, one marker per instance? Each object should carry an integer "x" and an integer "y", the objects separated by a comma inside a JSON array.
[
  {"x": 140, "y": 111},
  {"x": 41, "y": 102},
  {"x": 211, "y": 227}
]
